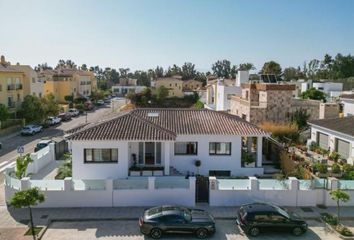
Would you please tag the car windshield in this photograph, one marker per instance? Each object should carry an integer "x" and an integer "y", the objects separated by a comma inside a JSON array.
[
  {"x": 153, "y": 211},
  {"x": 283, "y": 212},
  {"x": 26, "y": 128}
]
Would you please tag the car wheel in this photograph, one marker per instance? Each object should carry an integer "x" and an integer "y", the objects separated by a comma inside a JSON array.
[
  {"x": 254, "y": 232},
  {"x": 202, "y": 233},
  {"x": 297, "y": 231},
  {"x": 156, "y": 233}
]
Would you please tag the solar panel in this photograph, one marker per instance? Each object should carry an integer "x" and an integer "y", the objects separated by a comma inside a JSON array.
[
  {"x": 272, "y": 78},
  {"x": 268, "y": 78},
  {"x": 264, "y": 78}
]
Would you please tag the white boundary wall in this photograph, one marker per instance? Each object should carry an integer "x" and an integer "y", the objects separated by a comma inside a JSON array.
[
  {"x": 41, "y": 159},
  {"x": 284, "y": 197}
]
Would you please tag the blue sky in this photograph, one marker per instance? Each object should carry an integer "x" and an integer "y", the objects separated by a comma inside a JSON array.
[{"x": 141, "y": 34}]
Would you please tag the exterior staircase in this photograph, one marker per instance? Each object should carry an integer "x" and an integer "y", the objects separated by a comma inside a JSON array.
[{"x": 175, "y": 172}]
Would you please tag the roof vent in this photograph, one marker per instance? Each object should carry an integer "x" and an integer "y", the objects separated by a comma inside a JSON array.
[{"x": 153, "y": 114}]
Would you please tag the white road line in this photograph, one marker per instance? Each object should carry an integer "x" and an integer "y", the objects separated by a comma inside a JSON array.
[
  {"x": 3, "y": 163},
  {"x": 8, "y": 165}
]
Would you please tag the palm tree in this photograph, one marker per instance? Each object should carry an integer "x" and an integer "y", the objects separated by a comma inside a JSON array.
[
  {"x": 22, "y": 163},
  {"x": 28, "y": 198},
  {"x": 339, "y": 195}
]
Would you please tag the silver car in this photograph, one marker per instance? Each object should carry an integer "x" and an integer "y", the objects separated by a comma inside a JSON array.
[{"x": 31, "y": 129}]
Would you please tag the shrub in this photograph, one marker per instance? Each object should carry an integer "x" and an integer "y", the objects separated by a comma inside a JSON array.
[
  {"x": 321, "y": 168},
  {"x": 330, "y": 219},
  {"x": 313, "y": 146},
  {"x": 282, "y": 131},
  {"x": 343, "y": 230},
  {"x": 336, "y": 168},
  {"x": 198, "y": 105},
  {"x": 334, "y": 156}
]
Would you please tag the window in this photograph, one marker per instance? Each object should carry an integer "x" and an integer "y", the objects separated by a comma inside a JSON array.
[
  {"x": 186, "y": 148},
  {"x": 261, "y": 218},
  {"x": 220, "y": 148},
  {"x": 98, "y": 155},
  {"x": 244, "y": 116}
]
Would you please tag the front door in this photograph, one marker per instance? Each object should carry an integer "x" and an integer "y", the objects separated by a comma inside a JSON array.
[
  {"x": 150, "y": 153},
  {"x": 202, "y": 189}
]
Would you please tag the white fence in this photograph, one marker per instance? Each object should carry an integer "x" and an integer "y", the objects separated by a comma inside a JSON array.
[
  {"x": 41, "y": 159},
  {"x": 109, "y": 193},
  {"x": 291, "y": 192}
]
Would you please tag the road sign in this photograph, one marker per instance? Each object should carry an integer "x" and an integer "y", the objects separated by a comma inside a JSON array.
[{"x": 20, "y": 149}]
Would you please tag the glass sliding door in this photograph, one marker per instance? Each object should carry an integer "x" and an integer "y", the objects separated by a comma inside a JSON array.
[{"x": 149, "y": 153}]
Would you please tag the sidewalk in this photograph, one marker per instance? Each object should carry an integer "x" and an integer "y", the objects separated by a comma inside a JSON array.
[{"x": 16, "y": 217}]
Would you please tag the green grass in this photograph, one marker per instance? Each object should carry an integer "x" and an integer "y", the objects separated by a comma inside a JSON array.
[{"x": 36, "y": 231}]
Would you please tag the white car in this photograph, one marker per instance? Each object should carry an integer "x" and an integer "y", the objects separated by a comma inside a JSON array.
[
  {"x": 31, "y": 129},
  {"x": 53, "y": 120},
  {"x": 74, "y": 112}
]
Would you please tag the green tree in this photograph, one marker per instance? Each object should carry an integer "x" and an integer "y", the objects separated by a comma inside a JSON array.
[
  {"x": 222, "y": 68},
  {"x": 271, "y": 67},
  {"x": 27, "y": 199},
  {"x": 4, "y": 113},
  {"x": 339, "y": 195},
  {"x": 158, "y": 72},
  {"x": 300, "y": 117},
  {"x": 291, "y": 73},
  {"x": 161, "y": 94},
  {"x": 22, "y": 163},
  {"x": 313, "y": 94},
  {"x": 32, "y": 109},
  {"x": 84, "y": 67},
  {"x": 49, "y": 105},
  {"x": 188, "y": 71},
  {"x": 172, "y": 71},
  {"x": 246, "y": 67}
]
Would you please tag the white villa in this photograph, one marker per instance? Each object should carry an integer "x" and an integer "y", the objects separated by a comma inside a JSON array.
[
  {"x": 348, "y": 104},
  {"x": 168, "y": 141}
]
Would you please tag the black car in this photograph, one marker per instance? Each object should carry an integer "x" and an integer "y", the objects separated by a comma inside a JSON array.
[
  {"x": 65, "y": 117},
  {"x": 175, "y": 219},
  {"x": 256, "y": 217}
]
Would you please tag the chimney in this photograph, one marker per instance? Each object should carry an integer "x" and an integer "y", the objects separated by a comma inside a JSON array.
[
  {"x": 3, "y": 62},
  {"x": 242, "y": 77}
]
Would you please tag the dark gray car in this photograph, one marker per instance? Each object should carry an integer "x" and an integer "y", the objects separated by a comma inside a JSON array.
[{"x": 175, "y": 219}]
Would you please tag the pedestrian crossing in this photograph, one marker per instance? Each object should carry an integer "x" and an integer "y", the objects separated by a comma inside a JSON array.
[{"x": 6, "y": 166}]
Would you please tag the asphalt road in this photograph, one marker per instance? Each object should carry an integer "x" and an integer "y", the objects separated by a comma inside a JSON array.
[{"x": 8, "y": 153}]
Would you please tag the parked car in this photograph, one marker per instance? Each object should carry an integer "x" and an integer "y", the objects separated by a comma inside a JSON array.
[
  {"x": 107, "y": 100},
  {"x": 88, "y": 106},
  {"x": 64, "y": 116},
  {"x": 31, "y": 129},
  {"x": 175, "y": 219},
  {"x": 42, "y": 144},
  {"x": 257, "y": 217},
  {"x": 100, "y": 103},
  {"x": 74, "y": 112},
  {"x": 53, "y": 120}
]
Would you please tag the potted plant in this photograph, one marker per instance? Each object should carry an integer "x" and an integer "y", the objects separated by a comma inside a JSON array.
[
  {"x": 197, "y": 164},
  {"x": 321, "y": 170},
  {"x": 334, "y": 156},
  {"x": 336, "y": 171},
  {"x": 247, "y": 159}
]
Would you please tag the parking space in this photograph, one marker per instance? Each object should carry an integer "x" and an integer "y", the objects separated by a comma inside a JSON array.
[{"x": 128, "y": 230}]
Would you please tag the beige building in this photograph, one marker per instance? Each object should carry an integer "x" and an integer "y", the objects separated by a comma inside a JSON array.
[
  {"x": 192, "y": 84},
  {"x": 32, "y": 85},
  {"x": 174, "y": 86},
  {"x": 268, "y": 102}
]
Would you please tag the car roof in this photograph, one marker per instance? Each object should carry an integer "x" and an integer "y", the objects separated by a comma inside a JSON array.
[
  {"x": 44, "y": 141},
  {"x": 259, "y": 207}
]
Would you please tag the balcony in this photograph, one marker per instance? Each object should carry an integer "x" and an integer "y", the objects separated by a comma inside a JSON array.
[{"x": 12, "y": 87}]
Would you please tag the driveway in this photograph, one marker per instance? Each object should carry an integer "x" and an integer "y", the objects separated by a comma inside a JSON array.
[{"x": 128, "y": 230}]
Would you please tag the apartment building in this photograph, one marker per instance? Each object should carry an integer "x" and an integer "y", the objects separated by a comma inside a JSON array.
[
  {"x": 11, "y": 86},
  {"x": 173, "y": 84}
]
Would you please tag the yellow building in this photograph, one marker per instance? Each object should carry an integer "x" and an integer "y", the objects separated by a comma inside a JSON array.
[
  {"x": 174, "y": 86},
  {"x": 68, "y": 82},
  {"x": 31, "y": 84},
  {"x": 192, "y": 84},
  {"x": 11, "y": 86}
]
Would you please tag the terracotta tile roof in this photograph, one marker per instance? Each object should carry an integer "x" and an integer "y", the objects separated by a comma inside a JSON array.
[
  {"x": 343, "y": 125},
  {"x": 347, "y": 96},
  {"x": 166, "y": 124}
]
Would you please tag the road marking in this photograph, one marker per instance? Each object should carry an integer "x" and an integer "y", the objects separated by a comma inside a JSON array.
[
  {"x": 3, "y": 163},
  {"x": 7, "y": 166}
]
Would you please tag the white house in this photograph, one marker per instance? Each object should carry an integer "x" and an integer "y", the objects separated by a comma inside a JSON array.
[
  {"x": 331, "y": 89},
  {"x": 335, "y": 134},
  {"x": 167, "y": 139},
  {"x": 121, "y": 91},
  {"x": 220, "y": 91},
  {"x": 348, "y": 104}
]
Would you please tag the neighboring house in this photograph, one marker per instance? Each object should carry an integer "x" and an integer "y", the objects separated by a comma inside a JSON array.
[
  {"x": 336, "y": 134},
  {"x": 125, "y": 86},
  {"x": 173, "y": 84},
  {"x": 274, "y": 102},
  {"x": 167, "y": 138},
  {"x": 11, "y": 86},
  {"x": 348, "y": 104},
  {"x": 68, "y": 82},
  {"x": 192, "y": 85},
  {"x": 219, "y": 91},
  {"x": 331, "y": 89}
]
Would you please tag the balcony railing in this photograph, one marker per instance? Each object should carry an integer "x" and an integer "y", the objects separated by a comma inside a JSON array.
[{"x": 11, "y": 87}]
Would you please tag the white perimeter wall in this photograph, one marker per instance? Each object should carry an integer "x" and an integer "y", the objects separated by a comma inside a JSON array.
[{"x": 348, "y": 108}]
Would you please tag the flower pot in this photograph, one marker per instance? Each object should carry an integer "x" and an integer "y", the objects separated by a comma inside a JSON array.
[
  {"x": 158, "y": 173},
  {"x": 134, "y": 173},
  {"x": 147, "y": 173}
]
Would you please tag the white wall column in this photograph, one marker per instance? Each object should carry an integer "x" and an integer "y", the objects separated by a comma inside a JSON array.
[
  {"x": 167, "y": 149},
  {"x": 259, "y": 151}
]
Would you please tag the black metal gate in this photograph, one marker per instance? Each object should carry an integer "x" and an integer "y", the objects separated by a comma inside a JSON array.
[
  {"x": 202, "y": 190},
  {"x": 61, "y": 147}
]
